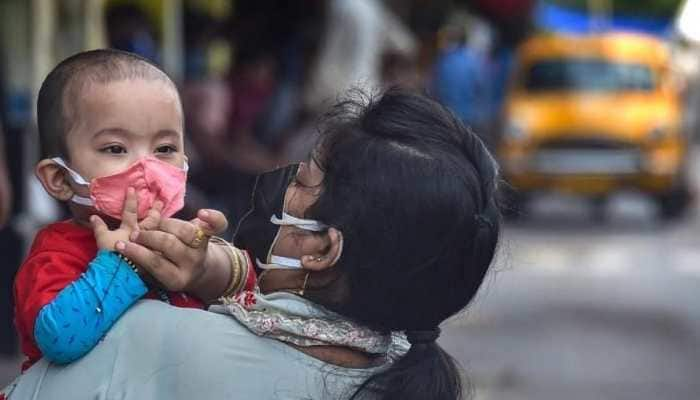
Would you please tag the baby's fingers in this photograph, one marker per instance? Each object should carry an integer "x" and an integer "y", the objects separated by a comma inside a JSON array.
[
  {"x": 130, "y": 212},
  {"x": 152, "y": 219},
  {"x": 99, "y": 227}
]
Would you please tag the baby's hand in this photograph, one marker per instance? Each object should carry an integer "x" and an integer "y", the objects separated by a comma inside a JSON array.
[
  {"x": 107, "y": 239},
  {"x": 152, "y": 220}
]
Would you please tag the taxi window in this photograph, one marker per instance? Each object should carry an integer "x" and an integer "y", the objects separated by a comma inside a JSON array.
[{"x": 587, "y": 75}]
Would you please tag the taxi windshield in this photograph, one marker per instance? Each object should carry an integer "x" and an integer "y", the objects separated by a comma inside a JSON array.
[{"x": 587, "y": 75}]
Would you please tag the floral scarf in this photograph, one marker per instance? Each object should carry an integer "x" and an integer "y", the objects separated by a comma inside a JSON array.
[{"x": 293, "y": 319}]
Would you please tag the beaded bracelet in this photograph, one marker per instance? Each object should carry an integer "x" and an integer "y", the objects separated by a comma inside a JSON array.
[
  {"x": 129, "y": 263},
  {"x": 162, "y": 293}
]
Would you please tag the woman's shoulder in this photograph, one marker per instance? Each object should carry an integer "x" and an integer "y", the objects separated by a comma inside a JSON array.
[
  {"x": 199, "y": 339},
  {"x": 226, "y": 358}
]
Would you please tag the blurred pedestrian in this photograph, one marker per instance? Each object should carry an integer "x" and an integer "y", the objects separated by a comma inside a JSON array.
[
  {"x": 462, "y": 78},
  {"x": 240, "y": 122},
  {"x": 129, "y": 29},
  {"x": 359, "y": 33}
]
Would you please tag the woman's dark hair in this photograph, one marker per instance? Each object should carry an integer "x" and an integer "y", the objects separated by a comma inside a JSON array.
[{"x": 413, "y": 192}]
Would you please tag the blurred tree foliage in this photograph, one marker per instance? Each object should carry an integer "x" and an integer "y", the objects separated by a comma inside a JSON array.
[{"x": 652, "y": 8}]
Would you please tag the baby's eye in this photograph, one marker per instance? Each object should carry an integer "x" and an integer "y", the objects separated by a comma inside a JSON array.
[
  {"x": 114, "y": 149},
  {"x": 166, "y": 149}
]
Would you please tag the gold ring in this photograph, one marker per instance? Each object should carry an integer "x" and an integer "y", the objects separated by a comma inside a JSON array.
[{"x": 199, "y": 237}]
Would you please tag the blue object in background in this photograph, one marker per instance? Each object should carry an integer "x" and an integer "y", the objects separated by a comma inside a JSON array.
[
  {"x": 556, "y": 18},
  {"x": 461, "y": 81}
]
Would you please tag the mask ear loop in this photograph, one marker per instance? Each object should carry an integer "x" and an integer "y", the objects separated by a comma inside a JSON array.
[
  {"x": 301, "y": 223},
  {"x": 78, "y": 179},
  {"x": 289, "y": 220},
  {"x": 273, "y": 219}
]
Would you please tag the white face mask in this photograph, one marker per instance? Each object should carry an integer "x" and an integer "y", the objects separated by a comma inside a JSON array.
[{"x": 279, "y": 262}]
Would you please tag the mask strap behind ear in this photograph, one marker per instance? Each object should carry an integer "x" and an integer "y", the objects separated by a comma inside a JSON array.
[
  {"x": 279, "y": 262},
  {"x": 84, "y": 201},
  {"x": 76, "y": 176},
  {"x": 301, "y": 223}
]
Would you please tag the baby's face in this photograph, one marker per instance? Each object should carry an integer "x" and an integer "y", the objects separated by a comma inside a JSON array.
[{"x": 117, "y": 123}]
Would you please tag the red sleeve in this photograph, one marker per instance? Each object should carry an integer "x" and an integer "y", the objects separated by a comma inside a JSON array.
[
  {"x": 59, "y": 254},
  {"x": 42, "y": 276},
  {"x": 252, "y": 278}
]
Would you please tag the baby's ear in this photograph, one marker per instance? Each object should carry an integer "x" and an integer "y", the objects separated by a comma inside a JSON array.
[{"x": 53, "y": 178}]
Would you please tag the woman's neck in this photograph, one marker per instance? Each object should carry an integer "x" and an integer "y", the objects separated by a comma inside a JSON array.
[
  {"x": 342, "y": 356},
  {"x": 281, "y": 280}
]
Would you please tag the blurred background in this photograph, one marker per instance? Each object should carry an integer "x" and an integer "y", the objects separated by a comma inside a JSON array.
[{"x": 590, "y": 106}]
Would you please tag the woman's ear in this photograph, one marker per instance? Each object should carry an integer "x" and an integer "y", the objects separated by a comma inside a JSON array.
[
  {"x": 330, "y": 255},
  {"x": 53, "y": 179}
]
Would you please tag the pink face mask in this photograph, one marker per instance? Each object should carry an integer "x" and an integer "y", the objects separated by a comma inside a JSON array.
[{"x": 151, "y": 178}]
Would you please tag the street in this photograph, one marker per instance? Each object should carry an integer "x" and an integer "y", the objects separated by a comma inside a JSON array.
[{"x": 576, "y": 309}]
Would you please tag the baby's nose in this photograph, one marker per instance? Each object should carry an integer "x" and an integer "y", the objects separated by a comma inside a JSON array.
[{"x": 139, "y": 154}]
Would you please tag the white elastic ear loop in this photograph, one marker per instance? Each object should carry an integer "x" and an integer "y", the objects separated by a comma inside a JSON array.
[
  {"x": 76, "y": 176},
  {"x": 78, "y": 179},
  {"x": 83, "y": 201},
  {"x": 279, "y": 262},
  {"x": 301, "y": 223}
]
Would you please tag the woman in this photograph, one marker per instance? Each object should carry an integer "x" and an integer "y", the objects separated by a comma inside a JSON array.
[{"x": 386, "y": 232}]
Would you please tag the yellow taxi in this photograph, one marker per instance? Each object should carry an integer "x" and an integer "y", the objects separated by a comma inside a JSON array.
[{"x": 593, "y": 114}]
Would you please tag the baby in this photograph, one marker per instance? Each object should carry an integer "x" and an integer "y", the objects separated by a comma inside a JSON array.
[{"x": 111, "y": 129}]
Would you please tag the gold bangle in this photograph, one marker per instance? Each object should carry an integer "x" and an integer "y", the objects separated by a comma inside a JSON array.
[
  {"x": 235, "y": 281},
  {"x": 236, "y": 284},
  {"x": 234, "y": 264},
  {"x": 245, "y": 268}
]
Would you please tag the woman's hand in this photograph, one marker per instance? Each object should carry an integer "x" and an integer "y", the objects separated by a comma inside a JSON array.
[{"x": 172, "y": 255}]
